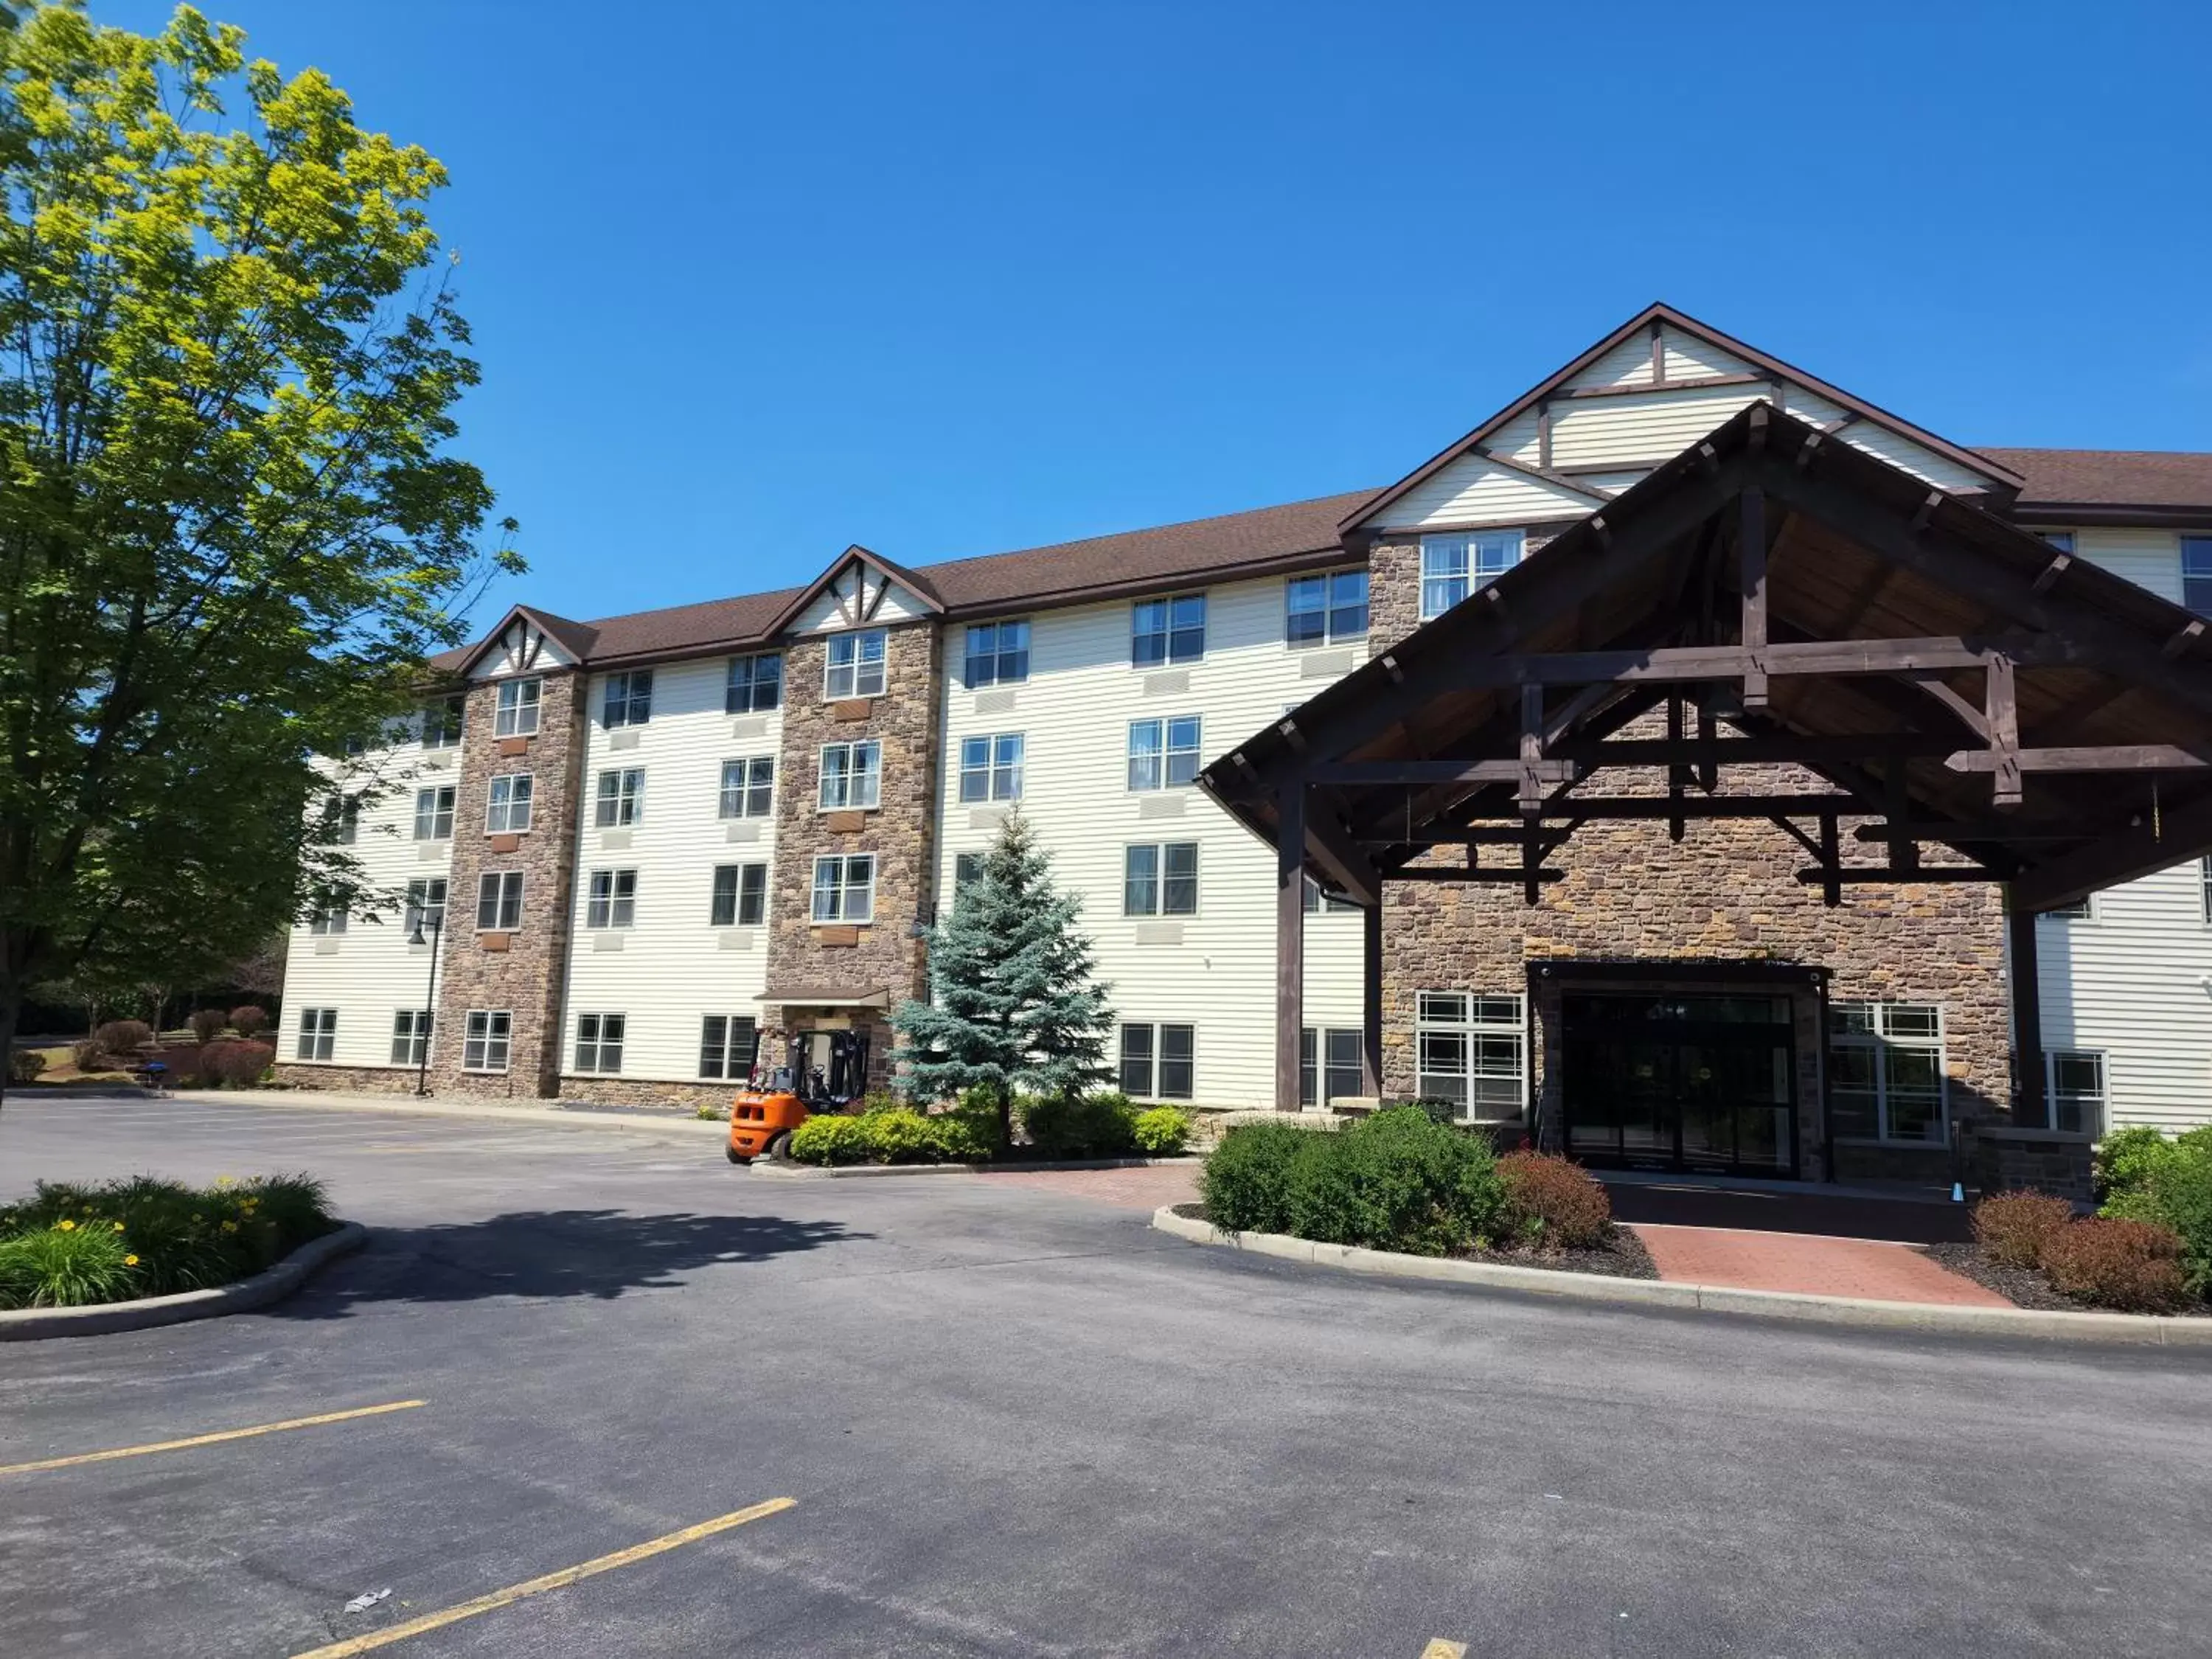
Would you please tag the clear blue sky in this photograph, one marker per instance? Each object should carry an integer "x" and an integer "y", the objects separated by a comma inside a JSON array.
[{"x": 750, "y": 283}]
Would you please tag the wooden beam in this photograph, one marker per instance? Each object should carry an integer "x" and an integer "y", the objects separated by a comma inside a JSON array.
[
  {"x": 2009, "y": 832},
  {"x": 1371, "y": 774},
  {"x": 1544, "y": 436},
  {"x": 1532, "y": 783},
  {"x": 2033, "y": 1110},
  {"x": 1904, "y": 851},
  {"x": 2157, "y": 840},
  {"x": 1559, "y": 480},
  {"x": 1290, "y": 937},
  {"x": 1832, "y": 860},
  {"x": 2105, "y": 757},
  {"x": 1751, "y": 553},
  {"x": 1330, "y": 848},
  {"x": 1968, "y": 716},
  {"x": 1751, "y": 751},
  {"x": 2001, "y": 713},
  {"x": 1678, "y": 773},
  {"x": 1699, "y": 383},
  {"x": 2050, "y": 572},
  {"x": 2185, "y": 636},
  {"x": 1501, "y": 878},
  {"x": 1869, "y": 876}
]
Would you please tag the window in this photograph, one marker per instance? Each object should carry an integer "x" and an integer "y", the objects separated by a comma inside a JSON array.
[
  {"x": 410, "y": 1036},
  {"x": 434, "y": 814},
  {"x": 507, "y": 808},
  {"x": 852, "y": 776},
  {"x": 1325, "y": 608},
  {"x": 854, "y": 667},
  {"x": 740, "y": 896},
  {"x": 998, "y": 653},
  {"x": 2079, "y": 910},
  {"x": 1160, "y": 880},
  {"x": 499, "y": 901},
  {"x": 1167, "y": 630},
  {"x": 612, "y": 902},
  {"x": 318, "y": 1033},
  {"x": 517, "y": 716},
  {"x": 2204, "y": 888},
  {"x": 755, "y": 684},
  {"x": 343, "y": 820},
  {"x": 845, "y": 888},
  {"x": 628, "y": 699},
  {"x": 2075, "y": 1086},
  {"x": 1158, "y": 1062},
  {"x": 328, "y": 917},
  {"x": 966, "y": 867},
  {"x": 2061, "y": 539},
  {"x": 1886, "y": 1070},
  {"x": 426, "y": 904},
  {"x": 484, "y": 1040},
  {"x": 620, "y": 799},
  {"x": 442, "y": 719},
  {"x": 728, "y": 1045},
  {"x": 749, "y": 787},
  {"x": 991, "y": 768},
  {"x": 599, "y": 1042},
  {"x": 1467, "y": 1050},
  {"x": 1320, "y": 903},
  {"x": 1163, "y": 753},
  {"x": 1329, "y": 1067},
  {"x": 2196, "y": 574},
  {"x": 1452, "y": 566}
]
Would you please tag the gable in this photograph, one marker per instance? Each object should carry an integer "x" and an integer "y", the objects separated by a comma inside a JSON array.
[
  {"x": 520, "y": 646},
  {"x": 859, "y": 594},
  {"x": 1475, "y": 490}
]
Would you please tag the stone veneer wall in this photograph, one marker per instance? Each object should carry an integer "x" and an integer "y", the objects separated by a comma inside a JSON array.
[
  {"x": 347, "y": 1079},
  {"x": 527, "y": 978},
  {"x": 644, "y": 1091},
  {"x": 906, "y": 720}
]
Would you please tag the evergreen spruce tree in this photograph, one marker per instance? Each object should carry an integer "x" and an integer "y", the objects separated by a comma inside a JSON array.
[{"x": 1014, "y": 1005}]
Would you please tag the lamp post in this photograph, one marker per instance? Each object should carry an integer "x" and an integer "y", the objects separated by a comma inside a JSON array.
[{"x": 430, "y": 993}]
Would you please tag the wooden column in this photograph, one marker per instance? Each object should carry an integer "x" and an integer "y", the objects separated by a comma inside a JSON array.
[
  {"x": 1371, "y": 997},
  {"x": 1752, "y": 553},
  {"x": 2030, "y": 1110},
  {"x": 1289, "y": 939}
]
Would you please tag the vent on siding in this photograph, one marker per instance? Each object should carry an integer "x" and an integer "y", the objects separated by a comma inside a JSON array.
[
  {"x": 1159, "y": 933},
  {"x": 994, "y": 702},
  {"x": 1172, "y": 684},
  {"x": 1161, "y": 806}
]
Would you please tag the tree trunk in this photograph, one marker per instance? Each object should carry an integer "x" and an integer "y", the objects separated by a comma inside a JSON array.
[
  {"x": 1006, "y": 1115},
  {"x": 11, "y": 1014}
]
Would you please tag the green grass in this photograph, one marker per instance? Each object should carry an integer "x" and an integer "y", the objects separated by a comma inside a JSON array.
[{"x": 71, "y": 1245}]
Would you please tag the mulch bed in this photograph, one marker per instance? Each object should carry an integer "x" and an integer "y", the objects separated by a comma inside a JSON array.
[
  {"x": 2024, "y": 1287},
  {"x": 1622, "y": 1256}
]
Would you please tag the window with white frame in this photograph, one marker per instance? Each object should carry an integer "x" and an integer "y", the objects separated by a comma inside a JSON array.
[
  {"x": 991, "y": 768},
  {"x": 485, "y": 1038},
  {"x": 966, "y": 867},
  {"x": 845, "y": 888},
  {"x": 1328, "y": 1064},
  {"x": 1886, "y": 1071},
  {"x": 1470, "y": 1050},
  {"x": 620, "y": 801},
  {"x": 851, "y": 776},
  {"x": 426, "y": 904},
  {"x": 1324, "y": 903},
  {"x": 343, "y": 820},
  {"x": 2204, "y": 888},
  {"x": 853, "y": 666},
  {"x": 748, "y": 786},
  {"x": 611, "y": 899},
  {"x": 2196, "y": 574},
  {"x": 1163, "y": 753},
  {"x": 443, "y": 719},
  {"x": 1452, "y": 566},
  {"x": 328, "y": 917},
  {"x": 2081, "y": 909},
  {"x": 434, "y": 814},
  {"x": 1160, "y": 878},
  {"x": 740, "y": 896},
  {"x": 410, "y": 1036},
  {"x": 506, "y": 804},
  {"x": 516, "y": 715},
  {"x": 600, "y": 1044},
  {"x": 998, "y": 653},
  {"x": 755, "y": 685},
  {"x": 2075, "y": 1086},
  {"x": 728, "y": 1046},
  {"x": 499, "y": 901},
  {"x": 1325, "y": 609},
  {"x": 318, "y": 1033},
  {"x": 1158, "y": 1062},
  {"x": 628, "y": 698},
  {"x": 1167, "y": 630}
]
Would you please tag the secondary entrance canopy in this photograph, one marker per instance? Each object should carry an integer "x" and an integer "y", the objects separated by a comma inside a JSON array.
[{"x": 1975, "y": 704}]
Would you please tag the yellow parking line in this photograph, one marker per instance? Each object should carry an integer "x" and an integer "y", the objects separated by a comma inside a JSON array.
[
  {"x": 1440, "y": 1649},
  {"x": 550, "y": 1582},
  {"x": 211, "y": 1439}
]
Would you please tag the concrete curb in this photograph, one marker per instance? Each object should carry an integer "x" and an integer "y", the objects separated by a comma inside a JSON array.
[
  {"x": 2154, "y": 1329},
  {"x": 315, "y": 1101},
  {"x": 272, "y": 1284},
  {"x": 786, "y": 1170}
]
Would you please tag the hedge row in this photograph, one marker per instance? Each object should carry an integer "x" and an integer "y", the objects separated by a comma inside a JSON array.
[{"x": 1095, "y": 1126}]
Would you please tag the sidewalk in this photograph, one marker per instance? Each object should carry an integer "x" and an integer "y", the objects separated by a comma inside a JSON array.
[
  {"x": 1808, "y": 1264},
  {"x": 530, "y": 1112}
]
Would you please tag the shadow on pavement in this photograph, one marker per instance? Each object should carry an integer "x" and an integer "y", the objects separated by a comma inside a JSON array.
[
  {"x": 1689, "y": 1205},
  {"x": 551, "y": 1252}
]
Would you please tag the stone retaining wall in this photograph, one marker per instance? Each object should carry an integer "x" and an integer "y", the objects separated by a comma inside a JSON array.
[{"x": 2001, "y": 1157}]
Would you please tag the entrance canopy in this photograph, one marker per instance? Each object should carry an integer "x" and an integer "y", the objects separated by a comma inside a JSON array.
[{"x": 1976, "y": 704}]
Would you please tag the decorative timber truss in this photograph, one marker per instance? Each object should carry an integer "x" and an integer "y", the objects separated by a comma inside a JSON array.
[{"x": 1971, "y": 704}]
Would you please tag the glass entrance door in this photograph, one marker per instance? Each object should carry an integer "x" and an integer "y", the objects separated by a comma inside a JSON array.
[{"x": 1680, "y": 1082}]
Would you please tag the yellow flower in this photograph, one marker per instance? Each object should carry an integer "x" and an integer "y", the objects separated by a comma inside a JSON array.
[
  {"x": 66, "y": 1226},
  {"x": 230, "y": 1226},
  {"x": 129, "y": 1261},
  {"x": 119, "y": 1226}
]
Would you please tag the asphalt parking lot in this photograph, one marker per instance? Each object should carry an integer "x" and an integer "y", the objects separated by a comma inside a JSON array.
[{"x": 1014, "y": 1421}]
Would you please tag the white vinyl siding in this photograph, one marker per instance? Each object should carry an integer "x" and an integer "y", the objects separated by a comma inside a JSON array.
[
  {"x": 2149, "y": 558},
  {"x": 1475, "y": 491}
]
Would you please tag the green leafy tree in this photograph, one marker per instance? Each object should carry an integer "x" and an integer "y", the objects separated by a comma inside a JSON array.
[
  {"x": 229, "y": 530},
  {"x": 1014, "y": 1003}
]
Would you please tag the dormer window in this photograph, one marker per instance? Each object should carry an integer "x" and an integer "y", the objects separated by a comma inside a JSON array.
[{"x": 854, "y": 667}]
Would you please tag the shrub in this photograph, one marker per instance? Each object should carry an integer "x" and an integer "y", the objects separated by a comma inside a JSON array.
[
  {"x": 2172, "y": 1187},
  {"x": 1552, "y": 1202},
  {"x": 235, "y": 1064},
  {"x": 1080, "y": 1126},
  {"x": 2015, "y": 1226},
  {"x": 87, "y": 1056},
  {"x": 2134, "y": 1266},
  {"x": 1163, "y": 1132},
  {"x": 183, "y": 1238},
  {"x": 123, "y": 1038},
  {"x": 65, "y": 1267},
  {"x": 209, "y": 1023},
  {"x": 1246, "y": 1183},
  {"x": 829, "y": 1139},
  {"x": 2126, "y": 1158},
  {"x": 964, "y": 1135},
  {"x": 24, "y": 1066},
  {"x": 248, "y": 1017},
  {"x": 878, "y": 1100}
]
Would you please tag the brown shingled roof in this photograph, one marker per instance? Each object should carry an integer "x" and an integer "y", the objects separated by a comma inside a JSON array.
[{"x": 2110, "y": 477}]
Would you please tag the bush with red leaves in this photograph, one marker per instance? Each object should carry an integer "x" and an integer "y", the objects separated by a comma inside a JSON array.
[
  {"x": 235, "y": 1063},
  {"x": 2014, "y": 1226},
  {"x": 1552, "y": 1202},
  {"x": 2133, "y": 1267},
  {"x": 248, "y": 1017}
]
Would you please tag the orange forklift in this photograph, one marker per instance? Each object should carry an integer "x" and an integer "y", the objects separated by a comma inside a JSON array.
[{"x": 823, "y": 1072}]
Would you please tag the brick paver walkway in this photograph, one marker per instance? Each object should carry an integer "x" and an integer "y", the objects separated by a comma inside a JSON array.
[
  {"x": 1145, "y": 1187},
  {"x": 1808, "y": 1264}
]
